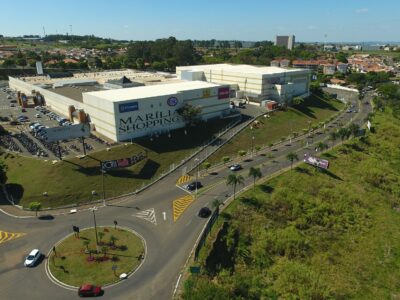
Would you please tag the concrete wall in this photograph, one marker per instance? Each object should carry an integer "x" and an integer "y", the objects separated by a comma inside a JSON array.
[{"x": 56, "y": 102}]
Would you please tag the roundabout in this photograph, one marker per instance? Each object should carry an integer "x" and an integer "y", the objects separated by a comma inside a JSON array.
[{"x": 81, "y": 258}]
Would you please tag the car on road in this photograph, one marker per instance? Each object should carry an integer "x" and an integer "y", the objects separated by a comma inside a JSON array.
[
  {"x": 90, "y": 290},
  {"x": 235, "y": 167},
  {"x": 32, "y": 258},
  {"x": 204, "y": 212},
  {"x": 192, "y": 186}
]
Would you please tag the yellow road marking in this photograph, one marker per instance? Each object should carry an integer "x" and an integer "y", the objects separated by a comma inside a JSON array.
[
  {"x": 179, "y": 205},
  {"x": 183, "y": 179},
  {"x": 8, "y": 236}
]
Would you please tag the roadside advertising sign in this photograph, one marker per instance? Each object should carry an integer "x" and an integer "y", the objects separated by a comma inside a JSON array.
[
  {"x": 66, "y": 132},
  {"x": 123, "y": 162},
  {"x": 317, "y": 162},
  {"x": 223, "y": 93}
]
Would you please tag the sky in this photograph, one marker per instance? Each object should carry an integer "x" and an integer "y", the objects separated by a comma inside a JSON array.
[{"x": 251, "y": 20}]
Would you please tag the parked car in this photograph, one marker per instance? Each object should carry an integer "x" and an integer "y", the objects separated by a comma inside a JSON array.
[
  {"x": 32, "y": 258},
  {"x": 90, "y": 290},
  {"x": 235, "y": 167},
  {"x": 192, "y": 186},
  {"x": 204, "y": 212}
]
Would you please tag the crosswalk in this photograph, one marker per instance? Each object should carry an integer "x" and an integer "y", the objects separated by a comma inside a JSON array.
[
  {"x": 148, "y": 215},
  {"x": 183, "y": 179},
  {"x": 8, "y": 236},
  {"x": 179, "y": 205}
]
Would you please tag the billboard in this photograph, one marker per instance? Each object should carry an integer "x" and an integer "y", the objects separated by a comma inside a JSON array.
[
  {"x": 125, "y": 107},
  {"x": 317, "y": 162},
  {"x": 66, "y": 132},
  {"x": 123, "y": 162},
  {"x": 39, "y": 68},
  {"x": 223, "y": 93}
]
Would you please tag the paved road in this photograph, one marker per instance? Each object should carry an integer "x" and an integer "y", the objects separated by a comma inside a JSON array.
[{"x": 168, "y": 243}]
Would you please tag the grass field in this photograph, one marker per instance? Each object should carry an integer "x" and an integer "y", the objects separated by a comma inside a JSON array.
[
  {"x": 71, "y": 265},
  {"x": 313, "y": 235},
  {"x": 71, "y": 181},
  {"x": 281, "y": 124}
]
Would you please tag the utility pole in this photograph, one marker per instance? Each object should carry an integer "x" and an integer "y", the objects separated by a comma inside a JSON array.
[{"x": 103, "y": 188}]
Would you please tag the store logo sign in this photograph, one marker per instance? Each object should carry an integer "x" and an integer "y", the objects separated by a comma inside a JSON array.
[
  {"x": 223, "y": 93},
  {"x": 172, "y": 101},
  {"x": 125, "y": 107}
]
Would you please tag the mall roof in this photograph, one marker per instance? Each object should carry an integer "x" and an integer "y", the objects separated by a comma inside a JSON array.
[
  {"x": 150, "y": 91},
  {"x": 244, "y": 69}
]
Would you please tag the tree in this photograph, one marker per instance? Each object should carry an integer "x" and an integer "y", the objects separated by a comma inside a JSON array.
[
  {"x": 242, "y": 153},
  {"x": 321, "y": 146},
  {"x": 343, "y": 133},
  {"x": 104, "y": 250},
  {"x": 333, "y": 137},
  {"x": 206, "y": 165},
  {"x": 86, "y": 244},
  {"x": 234, "y": 180},
  {"x": 292, "y": 157},
  {"x": 217, "y": 203},
  {"x": 3, "y": 173},
  {"x": 297, "y": 100},
  {"x": 101, "y": 235},
  {"x": 255, "y": 173},
  {"x": 225, "y": 159},
  {"x": 113, "y": 239},
  {"x": 354, "y": 129},
  {"x": 189, "y": 113},
  {"x": 35, "y": 206}
]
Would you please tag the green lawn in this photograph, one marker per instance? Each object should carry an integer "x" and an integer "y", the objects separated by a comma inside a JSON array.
[
  {"x": 72, "y": 181},
  {"x": 281, "y": 124},
  {"x": 313, "y": 235},
  {"x": 71, "y": 265}
]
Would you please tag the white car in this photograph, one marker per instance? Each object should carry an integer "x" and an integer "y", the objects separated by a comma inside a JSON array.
[
  {"x": 235, "y": 167},
  {"x": 32, "y": 258}
]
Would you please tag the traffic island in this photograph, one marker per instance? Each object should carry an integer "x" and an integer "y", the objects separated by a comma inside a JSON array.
[{"x": 77, "y": 259}]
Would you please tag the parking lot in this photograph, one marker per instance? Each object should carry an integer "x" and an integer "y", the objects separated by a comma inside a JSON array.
[{"x": 24, "y": 126}]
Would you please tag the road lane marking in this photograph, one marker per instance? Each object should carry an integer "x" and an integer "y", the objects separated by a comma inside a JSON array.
[
  {"x": 164, "y": 215},
  {"x": 8, "y": 236},
  {"x": 179, "y": 205},
  {"x": 148, "y": 215},
  {"x": 183, "y": 179}
]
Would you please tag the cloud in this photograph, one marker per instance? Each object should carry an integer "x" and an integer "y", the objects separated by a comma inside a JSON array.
[{"x": 361, "y": 10}]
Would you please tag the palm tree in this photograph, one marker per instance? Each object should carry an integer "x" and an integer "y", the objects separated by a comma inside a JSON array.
[
  {"x": 343, "y": 133},
  {"x": 234, "y": 180},
  {"x": 333, "y": 137},
  {"x": 104, "y": 250},
  {"x": 255, "y": 173},
  {"x": 86, "y": 244},
  {"x": 321, "y": 146},
  {"x": 113, "y": 239},
  {"x": 292, "y": 157},
  {"x": 354, "y": 129},
  {"x": 101, "y": 235},
  {"x": 217, "y": 203}
]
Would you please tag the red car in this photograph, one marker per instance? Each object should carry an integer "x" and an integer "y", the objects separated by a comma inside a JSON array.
[{"x": 90, "y": 290}]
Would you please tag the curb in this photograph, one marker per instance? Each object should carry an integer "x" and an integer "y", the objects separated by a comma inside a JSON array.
[{"x": 106, "y": 286}]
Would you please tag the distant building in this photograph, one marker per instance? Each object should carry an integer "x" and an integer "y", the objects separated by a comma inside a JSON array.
[
  {"x": 284, "y": 63},
  {"x": 286, "y": 41},
  {"x": 275, "y": 63},
  {"x": 329, "y": 69},
  {"x": 342, "y": 68},
  {"x": 330, "y": 48}
]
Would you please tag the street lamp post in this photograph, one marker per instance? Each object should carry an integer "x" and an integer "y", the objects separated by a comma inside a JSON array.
[
  {"x": 93, "y": 209},
  {"x": 252, "y": 146},
  {"x": 103, "y": 188},
  {"x": 197, "y": 175}
]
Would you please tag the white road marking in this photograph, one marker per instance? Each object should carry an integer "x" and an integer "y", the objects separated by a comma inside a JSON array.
[
  {"x": 164, "y": 215},
  {"x": 148, "y": 215}
]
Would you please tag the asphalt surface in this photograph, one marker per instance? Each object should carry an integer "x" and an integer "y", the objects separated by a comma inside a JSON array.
[{"x": 169, "y": 243}]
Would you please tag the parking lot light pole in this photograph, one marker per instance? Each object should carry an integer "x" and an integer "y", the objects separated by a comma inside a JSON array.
[
  {"x": 93, "y": 209},
  {"x": 252, "y": 146}
]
